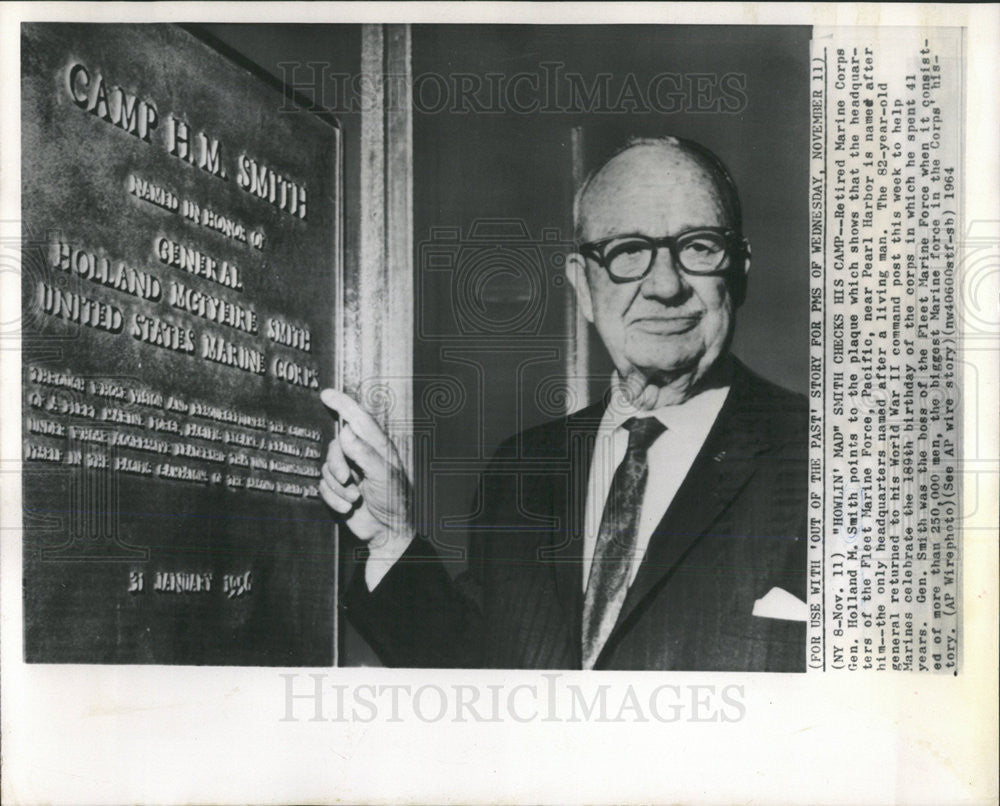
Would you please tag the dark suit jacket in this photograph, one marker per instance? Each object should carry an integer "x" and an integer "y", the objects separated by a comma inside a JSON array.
[{"x": 735, "y": 529}]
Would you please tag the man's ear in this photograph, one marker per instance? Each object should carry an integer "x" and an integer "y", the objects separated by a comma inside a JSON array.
[
  {"x": 576, "y": 273},
  {"x": 739, "y": 281}
]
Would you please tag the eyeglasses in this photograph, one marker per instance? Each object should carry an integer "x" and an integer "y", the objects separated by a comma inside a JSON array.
[{"x": 628, "y": 258}]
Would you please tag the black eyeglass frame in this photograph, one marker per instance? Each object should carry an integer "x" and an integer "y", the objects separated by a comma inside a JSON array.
[{"x": 736, "y": 247}]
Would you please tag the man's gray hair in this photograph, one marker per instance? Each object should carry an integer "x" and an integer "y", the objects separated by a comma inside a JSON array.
[{"x": 706, "y": 158}]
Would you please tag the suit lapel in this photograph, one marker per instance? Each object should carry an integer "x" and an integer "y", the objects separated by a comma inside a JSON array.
[
  {"x": 722, "y": 468},
  {"x": 563, "y": 550}
]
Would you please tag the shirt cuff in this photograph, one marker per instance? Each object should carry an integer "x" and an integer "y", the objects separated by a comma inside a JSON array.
[{"x": 381, "y": 559}]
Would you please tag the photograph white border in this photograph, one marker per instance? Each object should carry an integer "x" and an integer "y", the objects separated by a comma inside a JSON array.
[{"x": 144, "y": 734}]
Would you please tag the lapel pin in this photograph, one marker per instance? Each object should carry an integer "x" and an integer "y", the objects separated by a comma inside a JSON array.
[{"x": 720, "y": 456}]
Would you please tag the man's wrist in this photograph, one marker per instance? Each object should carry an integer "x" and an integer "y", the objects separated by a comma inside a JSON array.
[{"x": 383, "y": 554}]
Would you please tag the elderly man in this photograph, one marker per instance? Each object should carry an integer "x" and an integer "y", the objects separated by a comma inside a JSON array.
[{"x": 661, "y": 528}]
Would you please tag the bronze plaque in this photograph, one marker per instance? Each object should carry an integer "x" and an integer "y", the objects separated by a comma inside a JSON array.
[{"x": 180, "y": 299}]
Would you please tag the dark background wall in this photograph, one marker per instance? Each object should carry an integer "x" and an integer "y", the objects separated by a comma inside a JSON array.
[{"x": 494, "y": 111}]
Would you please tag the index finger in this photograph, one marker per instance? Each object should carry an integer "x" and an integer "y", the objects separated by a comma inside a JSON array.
[{"x": 361, "y": 421}]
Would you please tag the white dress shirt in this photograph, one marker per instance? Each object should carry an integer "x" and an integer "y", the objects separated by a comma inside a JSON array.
[{"x": 669, "y": 459}]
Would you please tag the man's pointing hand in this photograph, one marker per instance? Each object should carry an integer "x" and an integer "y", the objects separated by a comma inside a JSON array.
[{"x": 365, "y": 483}]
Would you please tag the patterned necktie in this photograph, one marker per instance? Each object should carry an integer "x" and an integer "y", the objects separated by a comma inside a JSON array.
[{"x": 616, "y": 539}]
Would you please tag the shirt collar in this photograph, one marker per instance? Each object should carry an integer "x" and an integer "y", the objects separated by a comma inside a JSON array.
[{"x": 682, "y": 416}]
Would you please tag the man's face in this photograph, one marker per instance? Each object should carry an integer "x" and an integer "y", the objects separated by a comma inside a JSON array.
[{"x": 670, "y": 322}]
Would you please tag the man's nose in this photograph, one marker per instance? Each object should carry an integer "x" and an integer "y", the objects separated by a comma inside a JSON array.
[{"x": 665, "y": 279}]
